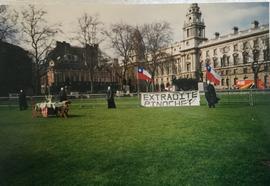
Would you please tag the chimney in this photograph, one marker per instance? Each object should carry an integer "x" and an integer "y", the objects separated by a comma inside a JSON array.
[
  {"x": 235, "y": 30},
  {"x": 255, "y": 24},
  {"x": 216, "y": 35}
]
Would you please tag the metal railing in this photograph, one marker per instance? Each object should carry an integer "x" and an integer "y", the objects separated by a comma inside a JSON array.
[{"x": 250, "y": 97}]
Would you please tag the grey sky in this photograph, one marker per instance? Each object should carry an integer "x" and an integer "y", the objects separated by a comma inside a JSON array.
[{"x": 218, "y": 17}]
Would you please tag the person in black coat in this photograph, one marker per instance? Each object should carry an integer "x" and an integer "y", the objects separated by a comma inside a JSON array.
[
  {"x": 210, "y": 95},
  {"x": 110, "y": 98},
  {"x": 62, "y": 95},
  {"x": 22, "y": 100}
]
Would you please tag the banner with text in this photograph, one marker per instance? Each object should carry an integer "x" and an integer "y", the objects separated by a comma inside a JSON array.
[{"x": 170, "y": 99}]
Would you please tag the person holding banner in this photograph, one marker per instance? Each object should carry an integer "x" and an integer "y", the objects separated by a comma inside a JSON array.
[{"x": 210, "y": 95}]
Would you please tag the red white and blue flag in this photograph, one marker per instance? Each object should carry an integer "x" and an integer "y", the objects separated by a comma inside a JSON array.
[
  {"x": 143, "y": 74},
  {"x": 212, "y": 75}
]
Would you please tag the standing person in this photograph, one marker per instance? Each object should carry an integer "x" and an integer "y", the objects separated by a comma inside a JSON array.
[
  {"x": 210, "y": 95},
  {"x": 62, "y": 95},
  {"x": 22, "y": 100},
  {"x": 110, "y": 98}
]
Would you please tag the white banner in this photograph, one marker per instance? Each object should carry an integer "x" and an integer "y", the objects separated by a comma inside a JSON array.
[{"x": 170, "y": 99}]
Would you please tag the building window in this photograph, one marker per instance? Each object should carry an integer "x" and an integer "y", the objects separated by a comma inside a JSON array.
[
  {"x": 174, "y": 67},
  {"x": 215, "y": 61},
  {"x": 156, "y": 71},
  {"x": 235, "y": 80},
  {"x": 235, "y": 47},
  {"x": 255, "y": 43},
  {"x": 256, "y": 54},
  {"x": 222, "y": 61},
  {"x": 188, "y": 67},
  {"x": 76, "y": 58},
  {"x": 245, "y": 46},
  {"x": 187, "y": 34},
  {"x": 207, "y": 53},
  {"x": 235, "y": 59},
  {"x": 222, "y": 72},
  {"x": 178, "y": 68},
  {"x": 266, "y": 67},
  {"x": 222, "y": 82},
  {"x": 215, "y": 51},
  {"x": 266, "y": 55},
  {"x": 200, "y": 32},
  {"x": 227, "y": 82},
  {"x": 228, "y": 60},
  {"x": 234, "y": 71},
  {"x": 245, "y": 57},
  {"x": 244, "y": 70},
  {"x": 167, "y": 69}
]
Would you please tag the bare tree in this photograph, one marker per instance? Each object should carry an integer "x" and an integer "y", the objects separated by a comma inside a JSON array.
[
  {"x": 38, "y": 34},
  {"x": 155, "y": 37},
  {"x": 90, "y": 29},
  {"x": 8, "y": 21},
  {"x": 121, "y": 39},
  {"x": 88, "y": 34}
]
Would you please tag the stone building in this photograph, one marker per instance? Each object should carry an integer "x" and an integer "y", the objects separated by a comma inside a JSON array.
[
  {"x": 232, "y": 55},
  {"x": 75, "y": 67}
]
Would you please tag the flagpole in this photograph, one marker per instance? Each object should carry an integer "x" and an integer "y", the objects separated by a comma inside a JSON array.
[{"x": 138, "y": 85}]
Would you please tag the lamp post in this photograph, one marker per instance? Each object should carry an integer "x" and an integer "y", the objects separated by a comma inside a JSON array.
[{"x": 255, "y": 66}]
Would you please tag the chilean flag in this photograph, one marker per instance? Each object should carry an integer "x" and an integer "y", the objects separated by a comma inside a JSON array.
[
  {"x": 212, "y": 75},
  {"x": 143, "y": 74}
]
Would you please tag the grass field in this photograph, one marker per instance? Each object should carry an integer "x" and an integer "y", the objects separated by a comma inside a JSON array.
[{"x": 229, "y": 145}]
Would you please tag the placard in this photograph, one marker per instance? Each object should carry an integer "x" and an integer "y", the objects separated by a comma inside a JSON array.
[{"x": 170, "y": 99}]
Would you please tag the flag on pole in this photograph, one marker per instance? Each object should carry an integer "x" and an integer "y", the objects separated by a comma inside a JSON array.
[
  {"x": 143, "y": 74},
  {"x": 212, "y": 75}
]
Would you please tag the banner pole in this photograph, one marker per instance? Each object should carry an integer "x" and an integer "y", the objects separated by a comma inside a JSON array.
[{"x": 138, "y": 86}]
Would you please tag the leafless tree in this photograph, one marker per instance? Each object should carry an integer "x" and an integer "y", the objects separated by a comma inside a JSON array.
[
  {"x": 121, "y": 39},
  {"x": 155, "y": 37},
  {"x": 39, "y": 36},
  {"x": 89, "y": 30},
  {"x": 8, "y": 21},
  {"x": 89, "y": 35}
]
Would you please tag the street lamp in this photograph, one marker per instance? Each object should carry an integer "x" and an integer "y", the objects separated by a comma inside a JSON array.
[{"x": 255, "y": 66}]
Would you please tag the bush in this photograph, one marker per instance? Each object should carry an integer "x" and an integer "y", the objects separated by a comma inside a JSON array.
[{"x": 186, "y": 84}]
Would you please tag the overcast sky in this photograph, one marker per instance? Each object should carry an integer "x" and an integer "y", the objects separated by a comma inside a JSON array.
[{"x": 218, "y": 17}]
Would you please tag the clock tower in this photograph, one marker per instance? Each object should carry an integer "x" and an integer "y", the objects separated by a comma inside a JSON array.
[{"x": 194, "y": 27}]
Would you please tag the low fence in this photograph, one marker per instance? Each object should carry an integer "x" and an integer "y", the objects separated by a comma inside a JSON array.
[{"x": 250, "y": 97}]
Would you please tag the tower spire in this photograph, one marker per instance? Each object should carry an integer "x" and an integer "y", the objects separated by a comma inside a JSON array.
[{"x": 194, "y": 27}]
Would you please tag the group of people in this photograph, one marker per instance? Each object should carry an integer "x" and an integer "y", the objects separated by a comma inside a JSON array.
[
  {"x": 109, "y": 97},
  {"x": 210, "y": 95},
  {"x": 63, "y": 97}
]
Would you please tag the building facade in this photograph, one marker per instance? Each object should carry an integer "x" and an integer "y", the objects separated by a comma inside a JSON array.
[
  {"x": 76, "y": 67},
  {"x": 231, "y": 55}
]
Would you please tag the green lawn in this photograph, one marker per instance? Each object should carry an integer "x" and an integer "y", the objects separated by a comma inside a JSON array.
[{"x": 229, "y": 145}]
